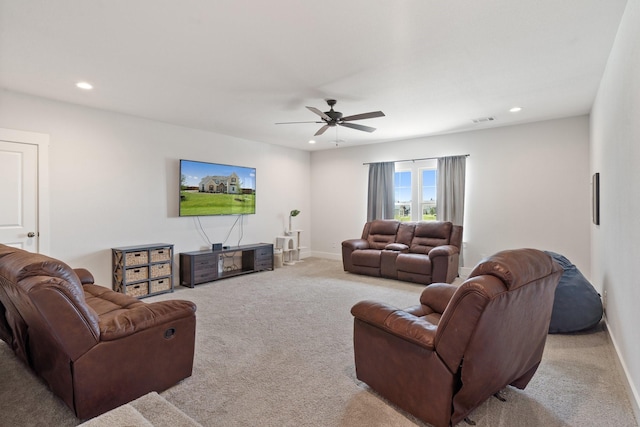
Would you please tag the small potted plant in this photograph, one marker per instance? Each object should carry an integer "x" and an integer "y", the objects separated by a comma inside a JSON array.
[{"x": 293, "y": 213}]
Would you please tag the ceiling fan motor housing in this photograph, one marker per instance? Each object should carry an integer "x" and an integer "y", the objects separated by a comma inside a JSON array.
[{"x": 335, "y": 115}]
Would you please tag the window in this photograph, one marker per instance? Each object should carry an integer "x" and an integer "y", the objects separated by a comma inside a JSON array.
[
  {"x": 428, "y": 196},
  {"x": 415, "y": 190},
  {"x": 402, "y": 184}
]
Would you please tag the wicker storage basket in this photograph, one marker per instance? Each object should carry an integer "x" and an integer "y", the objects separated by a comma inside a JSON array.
[
  {"x": 161, "y": 254},
  {"x": 159, "y": 270},
  {"x": 138, "y": 289},
  {"x": 160, "y": 285},
  {"x": 136, "y": 258},
  {"x": 134, "y": 274}
]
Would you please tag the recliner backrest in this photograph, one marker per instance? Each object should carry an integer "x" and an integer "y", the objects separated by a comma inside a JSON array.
[
  {"x": 46, "y": 294},
  {"x": 508, "y": 339},
  {"x": 499, "y": 317},
  {"x": 382, "y": 232},
  {"x": 429, "y": 234}
]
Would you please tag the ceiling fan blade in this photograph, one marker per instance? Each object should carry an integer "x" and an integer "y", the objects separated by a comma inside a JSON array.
[
  {"x": 320, "y": 113},
  {"x": 321, "y": 130},
  {"x": 362, "y": 116},
  {"x": 358, "y": 127},
  {"x": 289, "y": 123}
]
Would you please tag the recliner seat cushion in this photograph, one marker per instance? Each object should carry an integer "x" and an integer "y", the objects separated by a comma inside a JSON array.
[
  {"x": 366, "y": 258},
  {"x": 413, "y": 263}
]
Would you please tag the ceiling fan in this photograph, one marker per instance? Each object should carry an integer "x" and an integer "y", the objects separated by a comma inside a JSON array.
[{"x": 332, "y": 118}]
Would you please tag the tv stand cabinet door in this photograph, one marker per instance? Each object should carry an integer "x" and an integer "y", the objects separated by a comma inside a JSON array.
[
  {"x": 263, "y": 258},
  {"x": 198, "y": 268}
]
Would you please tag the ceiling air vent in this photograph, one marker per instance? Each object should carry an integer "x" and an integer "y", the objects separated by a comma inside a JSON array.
[{"x": 484, "y": 119}]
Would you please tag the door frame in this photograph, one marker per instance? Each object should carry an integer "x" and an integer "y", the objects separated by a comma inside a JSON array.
[{"x": 41, "y": 141}]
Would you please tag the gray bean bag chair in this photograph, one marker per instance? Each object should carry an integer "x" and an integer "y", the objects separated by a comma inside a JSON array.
[{"x": 577, "y": 305}]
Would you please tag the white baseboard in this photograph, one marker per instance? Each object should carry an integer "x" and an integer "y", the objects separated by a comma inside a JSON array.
[
  {"x": 464, "y": 272},
  {"x": 632, "y": 391},
  {"x": 327, "y": 255}
]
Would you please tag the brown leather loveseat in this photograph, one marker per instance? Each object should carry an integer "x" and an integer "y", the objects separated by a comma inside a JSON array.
[
  {"x": 96, "y": 349},
  {"x": 421, "y": 252},
  {"x": 442, "y": 358}
]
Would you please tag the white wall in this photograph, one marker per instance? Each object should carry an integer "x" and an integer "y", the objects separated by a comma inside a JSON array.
[
  {"x": 615, "y": 153},
  {"x": 114, "y": 181},
  {"x": 527, "y": 186}
]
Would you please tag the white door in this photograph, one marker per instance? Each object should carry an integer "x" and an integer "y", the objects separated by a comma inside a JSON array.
[{"x": 19, "y": 195}]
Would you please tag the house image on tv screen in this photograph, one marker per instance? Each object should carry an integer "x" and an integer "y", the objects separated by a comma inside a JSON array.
[{"x": 220, "y": 184}]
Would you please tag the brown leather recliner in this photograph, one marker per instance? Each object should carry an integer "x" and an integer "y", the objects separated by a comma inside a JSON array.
[
  {"x": 95, "y": 348},
  {"x": 441, "y": 359}
]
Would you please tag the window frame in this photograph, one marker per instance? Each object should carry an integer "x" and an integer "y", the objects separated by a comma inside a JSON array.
[{"x": 416, "y": 169}]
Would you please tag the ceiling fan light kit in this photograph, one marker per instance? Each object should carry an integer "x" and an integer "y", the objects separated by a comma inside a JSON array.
[{"x": 334, "y": 118}]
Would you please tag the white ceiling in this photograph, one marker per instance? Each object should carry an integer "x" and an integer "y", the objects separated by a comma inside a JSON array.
[{"x": 237, "y": 67}]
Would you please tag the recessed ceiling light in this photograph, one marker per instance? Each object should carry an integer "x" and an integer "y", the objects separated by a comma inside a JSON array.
[
  {"x": 311, "y": 141},
  {"x": 84, "y": 85},
  {"x": 515, "y": 109}
]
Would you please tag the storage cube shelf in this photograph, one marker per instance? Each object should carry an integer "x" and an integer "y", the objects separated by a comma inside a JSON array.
[{"x": 142, "y": 271}]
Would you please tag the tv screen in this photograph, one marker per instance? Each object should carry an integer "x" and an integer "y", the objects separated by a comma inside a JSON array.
[{"x": 216, "y": 189}]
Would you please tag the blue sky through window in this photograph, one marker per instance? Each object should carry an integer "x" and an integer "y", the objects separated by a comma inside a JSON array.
[
  {"x": 428, "y": 184},
  {"x": 402, "y": 183}
]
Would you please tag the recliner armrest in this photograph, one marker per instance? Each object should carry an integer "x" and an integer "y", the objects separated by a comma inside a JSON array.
[
  {"x": 355, "y": 244},
  {"x": 444, "y": 250},
  {"x": 84, "y": 275},
  {"x": 397, "y": 322},
  {"x": 437, "y": 296},
  {"x": 397, "y": 247},
  {"x": 144, "y": 316}
]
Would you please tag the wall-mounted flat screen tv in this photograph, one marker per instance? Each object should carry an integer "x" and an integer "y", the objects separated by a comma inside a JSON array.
[{"x": 216, "y": 189}]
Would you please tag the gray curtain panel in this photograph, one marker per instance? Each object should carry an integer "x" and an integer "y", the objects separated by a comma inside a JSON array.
[
  {"x": 450, "y": 182},
  {"x": 380, "y": 199}
]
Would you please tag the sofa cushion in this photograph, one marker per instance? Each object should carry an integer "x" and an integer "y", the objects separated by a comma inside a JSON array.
[
  {"x": 381, "y": 233},
  {"x": 104, "y": 301},
  {"x": 413, "y": 263},
  {"x": 427, "y": 235},
  {"x": 366, "y": 258},
  {"x": 405, "y": 233}
]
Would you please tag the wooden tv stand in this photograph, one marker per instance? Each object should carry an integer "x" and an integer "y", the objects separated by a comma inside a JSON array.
[{"x": 207, "y": 266}]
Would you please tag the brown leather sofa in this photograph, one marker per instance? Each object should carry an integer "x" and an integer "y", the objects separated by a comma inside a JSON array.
[
  {"x": 421, "y": 252},
  {"x": 95, "y": 348},
  {"x": 441, "y": 359}
]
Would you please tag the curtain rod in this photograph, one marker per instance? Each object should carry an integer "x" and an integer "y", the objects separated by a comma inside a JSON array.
[{"x": 416, "y": 160}]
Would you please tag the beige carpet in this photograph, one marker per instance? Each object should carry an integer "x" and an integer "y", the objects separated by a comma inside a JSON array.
[
  {"x": 150, "y": 410},
  {"x": 275, "y": 349}
]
